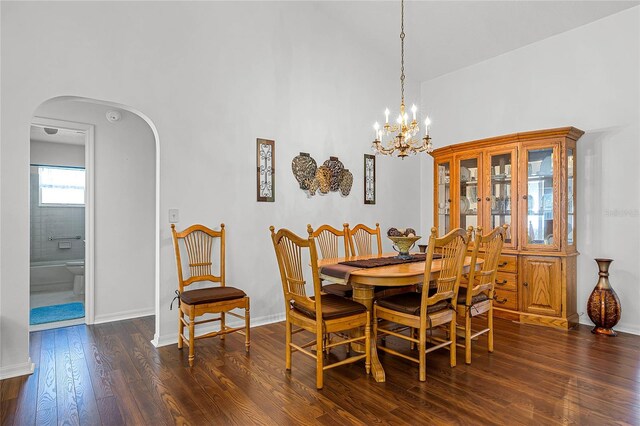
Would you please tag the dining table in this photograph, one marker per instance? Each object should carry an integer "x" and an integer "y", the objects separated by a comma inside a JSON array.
[{"x": 364, "y": 280}]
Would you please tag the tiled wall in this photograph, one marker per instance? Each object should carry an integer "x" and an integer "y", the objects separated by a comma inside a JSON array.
[{"x": 54, "y": 222}]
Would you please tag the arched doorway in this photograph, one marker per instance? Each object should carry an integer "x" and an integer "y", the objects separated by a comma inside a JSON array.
[{"x": 122, "y": 205}]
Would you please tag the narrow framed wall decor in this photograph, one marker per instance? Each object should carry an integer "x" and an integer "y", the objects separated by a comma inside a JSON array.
[
  {"x": 266, "y": 167},
  {"x": 369, "y": 179}
]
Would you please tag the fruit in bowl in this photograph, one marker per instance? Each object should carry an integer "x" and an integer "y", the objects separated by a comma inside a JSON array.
[
  {"x": 403, "y": 240},
  {"x": 401, "y": 232}
]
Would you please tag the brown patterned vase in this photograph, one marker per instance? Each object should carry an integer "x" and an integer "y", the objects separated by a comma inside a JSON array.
[
  {"x": 323, "y": 176},
  {"x": 603, "y": 306},
  {"x": 336, "y": 167},
  {"x": 304, "y": 169},
  {"x": 346, "y": 180}
]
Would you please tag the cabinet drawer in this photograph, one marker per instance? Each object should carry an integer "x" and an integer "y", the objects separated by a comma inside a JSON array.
[
  {"x": 506, "y": 281},
  {"x": 508, "y": 263},
  {"x": 508, "y": 298}
]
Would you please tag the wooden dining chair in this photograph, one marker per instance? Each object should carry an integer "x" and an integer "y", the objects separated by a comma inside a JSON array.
[
  {"x": 477, "y": 297},
  {"x": 216, "y": 298},
  {"x": 327, "y": 239},
  {"x": 422, "y": 311},
  {"x": 318, "y": 313},
  {"x": 360, "y": 239}
]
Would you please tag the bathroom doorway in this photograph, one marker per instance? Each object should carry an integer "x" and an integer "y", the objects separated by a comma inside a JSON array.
[
  {"x": 121, "y": 210},
  {"x": 60, "y": 221}
]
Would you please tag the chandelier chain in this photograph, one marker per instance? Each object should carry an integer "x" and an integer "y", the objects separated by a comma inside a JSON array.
[
  {"x": 402, "y": 50},
  {"x": 403, "y": 135}
]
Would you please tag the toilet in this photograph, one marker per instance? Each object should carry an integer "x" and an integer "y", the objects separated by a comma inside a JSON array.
[{"x": 77, "y": 269}]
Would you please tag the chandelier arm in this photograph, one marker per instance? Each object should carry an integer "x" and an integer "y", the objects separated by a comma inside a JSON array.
[{"x": 386, "y": 151}]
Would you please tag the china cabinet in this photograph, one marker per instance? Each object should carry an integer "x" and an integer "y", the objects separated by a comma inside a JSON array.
[{"x": 525, "y": 180}]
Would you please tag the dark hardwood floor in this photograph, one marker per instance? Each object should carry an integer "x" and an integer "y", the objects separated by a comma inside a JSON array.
[{"x": 110, "y": 374}]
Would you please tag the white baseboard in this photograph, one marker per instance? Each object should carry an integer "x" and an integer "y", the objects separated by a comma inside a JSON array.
[
  {"x": 627, "y": 329},
  {"x": 622, "y": 328},
  {"x": 6, "y": 372},
  {"x": 172, "y": 338},
  {"x": 124, "y": 315}
]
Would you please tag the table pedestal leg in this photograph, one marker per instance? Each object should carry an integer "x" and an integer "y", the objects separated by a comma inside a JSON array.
[{"x": 364, "y": 294}]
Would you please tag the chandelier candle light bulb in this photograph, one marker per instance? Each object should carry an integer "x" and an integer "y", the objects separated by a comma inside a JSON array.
[{"x": 404, "y": 139}]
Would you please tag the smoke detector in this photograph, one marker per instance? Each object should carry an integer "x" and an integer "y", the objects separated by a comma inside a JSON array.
[{"x": 113, "y": 116}]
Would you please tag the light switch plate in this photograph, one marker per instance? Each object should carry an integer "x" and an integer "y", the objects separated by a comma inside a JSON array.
[{"x": 174, "y": 216}]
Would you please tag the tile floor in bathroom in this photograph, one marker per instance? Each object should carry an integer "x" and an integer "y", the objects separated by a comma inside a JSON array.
[{"x": 49, "y": 298}]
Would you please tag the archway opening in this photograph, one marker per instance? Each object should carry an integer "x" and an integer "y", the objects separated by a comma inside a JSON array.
[{"x": 121, "y": 218}]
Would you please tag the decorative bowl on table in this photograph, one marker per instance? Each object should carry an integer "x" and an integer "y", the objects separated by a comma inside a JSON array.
[{"x": 403, "y": 241}]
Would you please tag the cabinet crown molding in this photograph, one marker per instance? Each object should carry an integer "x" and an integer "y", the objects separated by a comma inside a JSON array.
[{"x": 560, "y": 132}]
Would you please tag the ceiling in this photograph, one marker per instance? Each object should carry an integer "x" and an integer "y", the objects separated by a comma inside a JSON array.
[
  {"x": 443, "y": 36},
  {"x": 72, "y": 137}
]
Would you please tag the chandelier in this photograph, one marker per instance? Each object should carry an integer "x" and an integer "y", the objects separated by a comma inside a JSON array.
[{"x": 402, "y": 137}]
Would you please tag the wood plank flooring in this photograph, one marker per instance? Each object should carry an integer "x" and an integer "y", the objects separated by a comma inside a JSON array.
[{"x": 110, "y": 374}]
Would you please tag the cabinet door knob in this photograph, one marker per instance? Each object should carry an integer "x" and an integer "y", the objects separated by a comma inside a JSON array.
[
  {"x": 488, "y": 198},
  {"x": 479, "y": 199},
  {"x": 526, "y": 284},
  {"x": 449, "y": 200},
  {"x": 524, "y": 197}
]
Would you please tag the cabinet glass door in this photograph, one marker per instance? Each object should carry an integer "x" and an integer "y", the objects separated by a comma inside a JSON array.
[
  {"x": 571, "y": 201},
  {"x": 470, "y": 193},
  {"x": 541, "y": 223},
  {"x": 502, "y": 190},
  {"x": 443, "y": 195}
]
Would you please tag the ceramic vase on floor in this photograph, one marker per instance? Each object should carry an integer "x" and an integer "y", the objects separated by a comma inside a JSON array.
[{"x": 603, "y": 306}]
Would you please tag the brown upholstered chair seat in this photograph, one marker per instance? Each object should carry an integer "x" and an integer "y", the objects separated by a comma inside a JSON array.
[
  {"x": 409, "y": 303},
  {"x": 211, "y": 295},
  {"x": 462, "y": 297},
  {"x": 342, "y": 290},
  {"x": 333, "y": 307},
  {"x": 380, "y": 292}
]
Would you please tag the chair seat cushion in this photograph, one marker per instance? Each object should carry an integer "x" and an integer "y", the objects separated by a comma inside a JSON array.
[
  {"x": 210, "y": 295},
  {"x": 409, "y": 303},
  {"x": 333, "y": 307},
  {"x": 385, "y": 291},
  {"x": 341, "y": 290},
  {"x": 462, "y": 297},
  {"x": 379, "y": 291}
]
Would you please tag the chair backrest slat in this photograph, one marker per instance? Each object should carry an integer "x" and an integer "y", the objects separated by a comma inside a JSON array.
[
  {"x": 198, "y": 244},
  {"x": 328, "y": 240},
  {"x": 453, "y": 248},
  {"x": 289, "y": 248},
  {"x": 491, "y": 244},
  {"x": 360, "y": 240}
]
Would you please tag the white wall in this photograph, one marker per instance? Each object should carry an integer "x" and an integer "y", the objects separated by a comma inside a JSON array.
[
  {"x": 124, "y": 192},
  {"x": 57, "y": 154},
  {"x": 588, "y": 78},
  {"x": 213, "y": 77}
]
